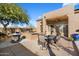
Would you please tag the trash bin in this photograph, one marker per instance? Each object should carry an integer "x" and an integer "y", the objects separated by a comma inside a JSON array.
[{"x": 75, "y": 37}]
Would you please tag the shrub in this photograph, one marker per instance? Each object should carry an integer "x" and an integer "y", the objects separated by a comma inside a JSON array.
[
  {"x": 70, "y": 39},
  {"x": 23, "y": 37}
]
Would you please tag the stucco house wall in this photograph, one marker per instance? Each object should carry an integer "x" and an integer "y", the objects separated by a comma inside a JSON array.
[
  {"x": 57, "y": 14},
  {"x": 74, "y": 24}
]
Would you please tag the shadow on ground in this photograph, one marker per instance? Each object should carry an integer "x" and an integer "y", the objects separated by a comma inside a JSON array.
[
  {"x": 73, "y": 53},
  {"x": 50, "y": 51}
]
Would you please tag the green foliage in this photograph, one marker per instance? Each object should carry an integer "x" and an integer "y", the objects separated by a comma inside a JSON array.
[
  {"x": 70, "y": 39},
  {"x": 12, "y": 13}
]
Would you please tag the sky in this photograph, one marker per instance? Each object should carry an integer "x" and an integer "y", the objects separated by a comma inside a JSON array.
[{"x": 35, "y": 10}]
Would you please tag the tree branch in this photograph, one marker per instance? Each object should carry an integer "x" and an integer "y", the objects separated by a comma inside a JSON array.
[{"x": 3, "y": 23}]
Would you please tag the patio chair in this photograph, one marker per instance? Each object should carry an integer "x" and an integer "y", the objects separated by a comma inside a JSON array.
[
  {"x": 42, "y": 42},
  {"x": 52, "y": 39}
]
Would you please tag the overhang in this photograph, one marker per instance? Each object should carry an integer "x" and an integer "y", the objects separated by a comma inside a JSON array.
[{"x": 60, "y": 14}]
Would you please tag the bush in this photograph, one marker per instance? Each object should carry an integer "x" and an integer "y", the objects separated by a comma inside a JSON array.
[
  {"x": 70, "y": 39},
  {"x": 23, "y": 37}
]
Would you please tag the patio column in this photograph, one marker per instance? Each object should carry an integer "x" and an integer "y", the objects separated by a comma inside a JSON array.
[
  {"x": 47, "y": 30},
  {"x": 71, "y": 19},
  {"x": 44, "y": 25}
]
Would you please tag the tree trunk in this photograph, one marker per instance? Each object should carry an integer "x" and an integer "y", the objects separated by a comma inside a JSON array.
[
  {"x": 5, "y": 25},
  {"x": 5, "y": 29}
]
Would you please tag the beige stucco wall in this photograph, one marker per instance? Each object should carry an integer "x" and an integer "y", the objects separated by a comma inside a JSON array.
[
  {"x": 29, "y": 36},
  {"x": 74, "y": 23},
  {"x": 38, "y": 27},
  {"x": 67, "y": 10}
]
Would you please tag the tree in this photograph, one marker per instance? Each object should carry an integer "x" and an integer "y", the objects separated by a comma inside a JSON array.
[{"x": 12, "y": 13}]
